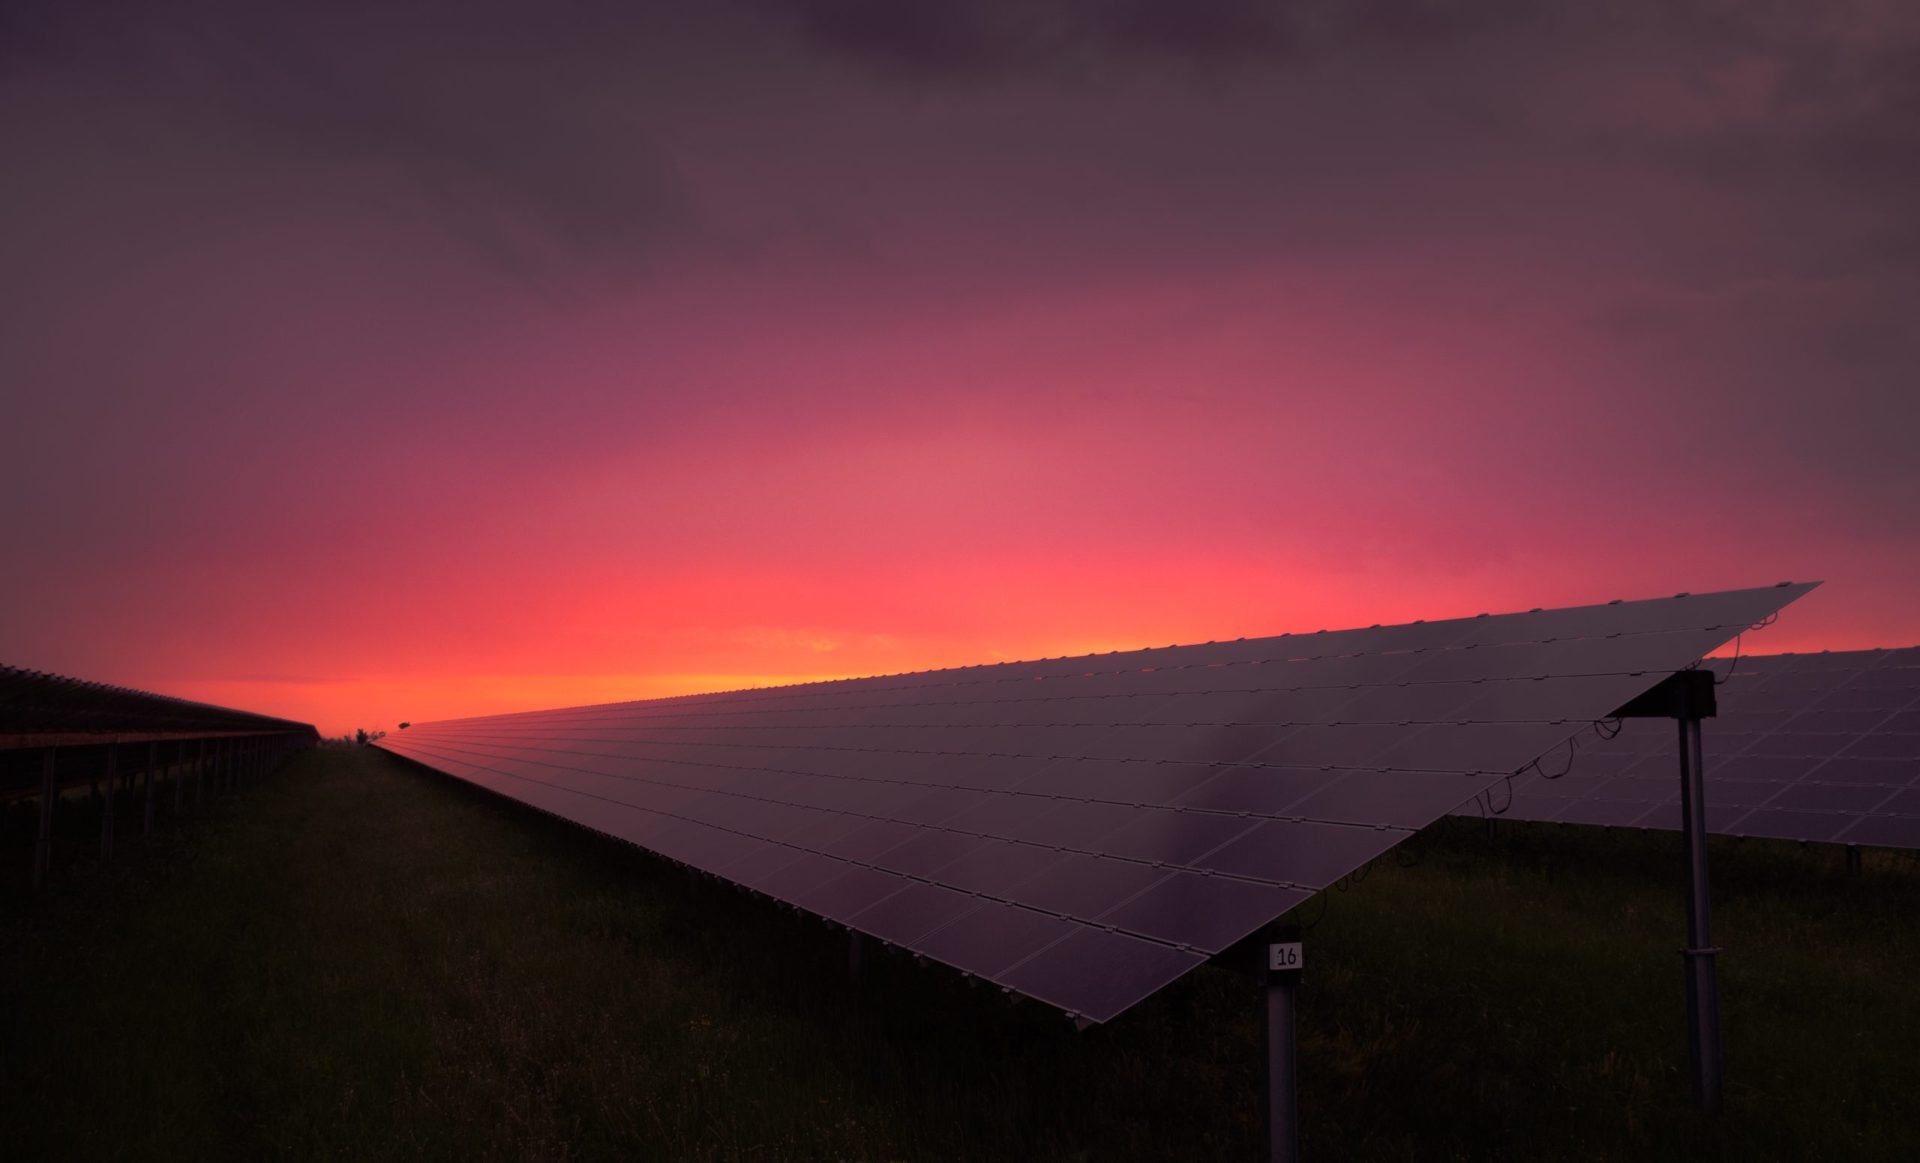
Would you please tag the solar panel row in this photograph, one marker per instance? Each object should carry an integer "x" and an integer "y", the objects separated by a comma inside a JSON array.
[
  {"x": 1086, "y": 830},
  {"x": 1818, "y": 747}
]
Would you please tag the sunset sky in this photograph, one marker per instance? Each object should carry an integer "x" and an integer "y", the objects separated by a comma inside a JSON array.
[{"x": 364, "y": 362}]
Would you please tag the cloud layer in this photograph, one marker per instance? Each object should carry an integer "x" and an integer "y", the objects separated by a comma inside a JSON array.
[{"x": 409, "y": 349}]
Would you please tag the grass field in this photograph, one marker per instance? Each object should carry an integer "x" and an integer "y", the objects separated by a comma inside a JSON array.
[{"x": 358, "y": 959}]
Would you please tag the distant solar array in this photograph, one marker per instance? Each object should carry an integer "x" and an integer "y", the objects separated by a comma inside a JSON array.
[
  {"x": 39, "y": 710},
  {"x": 84, "y": 720},
  {"x": 1819, "y": 747},
  {"x": 1086, "y": 830}
]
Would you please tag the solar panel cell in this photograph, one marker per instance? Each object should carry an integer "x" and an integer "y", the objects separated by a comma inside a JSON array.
[
  {"x": 1884, "y": 831},
  {"x": 1278, "y": 706},
  {"x": 1884, "y": 746},
  {"x": 1084, "y": 886},
  {"x": 1902, "y": 802},
  {"x": 1303, "y": 853},
  {"x": 1400, "y": 799},
  {"x": 999, "y": 813},
  {"x": 933, "y": 805},
  {"x": 913, "y": 912},
  {"x": 761, "y": 864},
  {"x": 1472, "y": 747},
  {"x": 842, "y": 897},
  {"x": 1829, "y": 797},
  {"x": 997, "y": 868},
  {"x": 1073, "y": 824},
  {"x": 1542, "y": 699},
  {"x": 1749, "y": 765},
  {"x": 1263, "y": 790},
  {"x": 1787, "y": 824},
  {"x": 869, "y": 840},
  {"x": 994, "y": 937},
  {"x": 1857, "y": 769},
  {"x": 1666, "y": 815},
  {"x": 1118, "y": 781},
  {"x": 1129, "y": 969},
  {"x": 1832, "y": 720},
  {"x": 1207, "y": 913},
  {"x": 926, "y": 850},
  {"x": 1739, "y": 793},
  {"x": 1174, "y": 837}
]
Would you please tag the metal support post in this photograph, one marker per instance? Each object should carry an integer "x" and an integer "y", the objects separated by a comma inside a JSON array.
[
  {"x": 1687, "y": 697},
  {"x": 43, "y": 847},
  {"x": 146, "y": 789},
  {"x": 1703, "y": 998},
  {"x": 1283, "y": 962},
  {"x": 106, "y": 807},
  {"x": 856, "y": 955},
  {"x": 200, "y": 778},
  {"x": 179, "y": 779},
  {"x": 1853, "y": 860}
]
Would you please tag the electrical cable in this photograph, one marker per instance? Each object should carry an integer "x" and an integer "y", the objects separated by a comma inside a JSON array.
[
  {"x": 1762, "y": 624},
  {"x": 1542, "y": 772},
  {"x": 1502, "y": 809}
]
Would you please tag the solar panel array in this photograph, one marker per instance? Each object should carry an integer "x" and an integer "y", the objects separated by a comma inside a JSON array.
[
  {"x": 1821, "y": 747},
  {"x": 1085, "y": 830},
  {"x": 39, "y": 710}
]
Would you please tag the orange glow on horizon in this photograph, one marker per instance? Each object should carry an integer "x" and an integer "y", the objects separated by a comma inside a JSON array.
[{"x": 380, "y": 701}]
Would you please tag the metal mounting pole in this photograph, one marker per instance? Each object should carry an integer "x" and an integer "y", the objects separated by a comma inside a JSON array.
[
  {"x": 43, "y": 847},
  {"x": 106, "y": 807},
  {"x": 1283, "y": 1064},
  {"x": 179, "y": 778},
  {"x": 200, "y": 778},
  {"x": 1703, "y": 997},
  {"x": 856, "y": 955},
  {"x": 1687, "y": 696}
]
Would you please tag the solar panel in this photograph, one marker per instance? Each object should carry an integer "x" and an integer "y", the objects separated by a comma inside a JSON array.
[
  {"x": 1085, "y": 830},
  {"x": 1819, "y": 747}
]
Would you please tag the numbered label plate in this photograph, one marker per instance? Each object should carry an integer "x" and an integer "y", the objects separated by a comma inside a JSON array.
[{"x": 1282, "y": 956}]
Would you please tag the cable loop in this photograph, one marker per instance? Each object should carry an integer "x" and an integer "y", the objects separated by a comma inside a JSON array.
[
  {"x": 1541, "y": 771},
  {"x": 1502, "y": 809}
]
